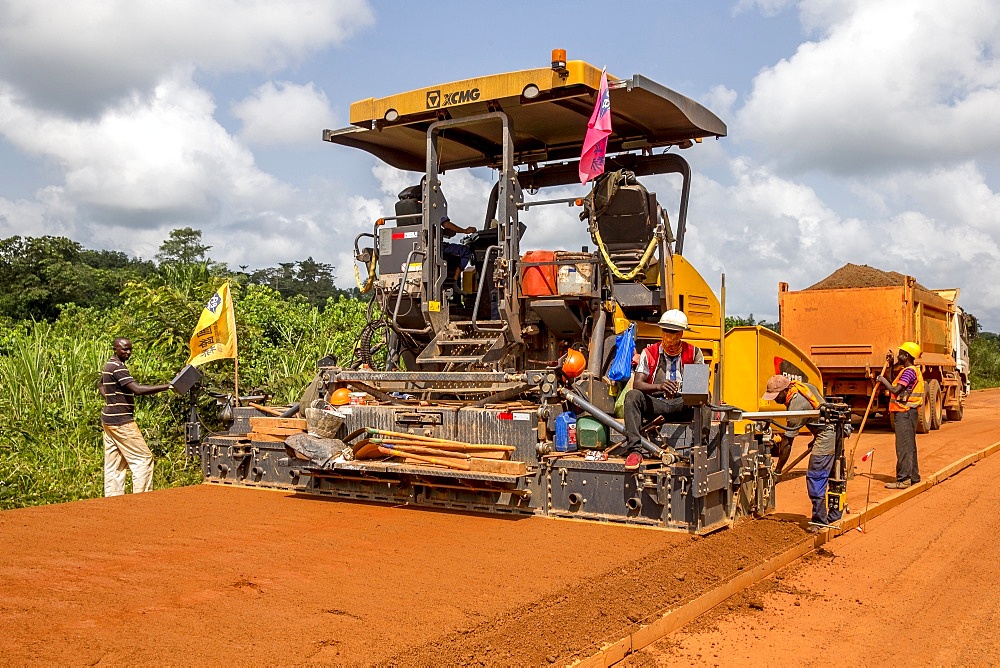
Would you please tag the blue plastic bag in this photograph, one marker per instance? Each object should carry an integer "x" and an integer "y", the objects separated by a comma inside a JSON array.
[{"x": 621, "y": 366}]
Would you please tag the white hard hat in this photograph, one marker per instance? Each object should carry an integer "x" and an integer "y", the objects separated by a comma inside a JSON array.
[{"x": 673, "y": 321}]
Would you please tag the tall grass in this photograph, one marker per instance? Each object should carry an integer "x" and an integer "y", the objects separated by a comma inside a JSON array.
[{"x": 50, "y": 433}]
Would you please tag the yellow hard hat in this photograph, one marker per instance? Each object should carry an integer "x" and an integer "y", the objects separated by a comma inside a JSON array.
[
  {"x": 911, "y": 349},
  {"x": 340, "y": 397}
]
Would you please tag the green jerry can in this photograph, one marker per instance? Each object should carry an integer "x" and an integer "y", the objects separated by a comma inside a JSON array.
[{"x": 591, "y": 434}]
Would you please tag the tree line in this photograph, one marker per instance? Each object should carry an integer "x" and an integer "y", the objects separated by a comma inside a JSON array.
[{"x": 43, "y": 274}]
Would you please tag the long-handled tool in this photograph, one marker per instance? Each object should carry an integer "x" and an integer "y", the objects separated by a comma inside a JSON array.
[
  {"x": 786, "y": 469},
  {"x": 871, "y": 400},
  {"x": 405, "y": 446},
  {"x": 441, "y": 443},
  {"x": 447, "y": 462}
]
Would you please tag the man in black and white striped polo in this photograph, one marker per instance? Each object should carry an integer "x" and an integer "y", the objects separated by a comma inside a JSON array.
[{"x": 124, "y": 446}]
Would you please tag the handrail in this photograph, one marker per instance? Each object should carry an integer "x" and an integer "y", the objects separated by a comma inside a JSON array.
[
  {"x": 572, "y": 201},
  {"x": 399, "y": 296},
  {"x": 479, "y": 294}
]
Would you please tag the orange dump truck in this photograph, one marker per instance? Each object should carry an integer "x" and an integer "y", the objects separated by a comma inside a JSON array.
[{"x": 847, "y": 322}]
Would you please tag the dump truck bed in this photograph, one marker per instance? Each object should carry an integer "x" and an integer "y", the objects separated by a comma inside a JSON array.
[{"x": 853, "y": 328}]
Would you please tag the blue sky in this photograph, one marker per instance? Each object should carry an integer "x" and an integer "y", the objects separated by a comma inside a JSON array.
[{"x": 860, "y": 131}]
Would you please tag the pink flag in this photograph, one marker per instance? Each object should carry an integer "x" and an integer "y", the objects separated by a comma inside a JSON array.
[
  {"x": 867, "y": 455},
  {"x": 595, "y": 144}
]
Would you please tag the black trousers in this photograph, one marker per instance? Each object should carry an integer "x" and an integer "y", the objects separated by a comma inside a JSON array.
[
  {"x": 906, "y": 447},
  {"x": 641, "y": 407}
]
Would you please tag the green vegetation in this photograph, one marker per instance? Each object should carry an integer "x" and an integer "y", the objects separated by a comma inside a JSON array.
[
  {"x": 740, "y": 321},
  {"x": 984, "y": 361},
  {"x": 54, "y": 341}
]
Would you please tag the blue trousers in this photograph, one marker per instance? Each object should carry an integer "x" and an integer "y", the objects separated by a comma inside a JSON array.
[
  {"x": 461, "y": 251},
  {"x": 817, "y": 477}
]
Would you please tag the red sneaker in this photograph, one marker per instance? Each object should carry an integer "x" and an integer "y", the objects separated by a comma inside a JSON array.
[{"x": 633, "y": 461}]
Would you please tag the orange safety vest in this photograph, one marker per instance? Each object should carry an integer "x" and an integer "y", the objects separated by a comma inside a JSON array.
[
  {"x": 916, "y": 398},
  {"x": 801, "y": 388},
  {"x": 653, "y": 355}
]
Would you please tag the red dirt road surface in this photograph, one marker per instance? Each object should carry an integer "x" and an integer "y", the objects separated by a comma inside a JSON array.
[
  {"x": 227, "y": 575},
  {"x": 918, "y": 588}
]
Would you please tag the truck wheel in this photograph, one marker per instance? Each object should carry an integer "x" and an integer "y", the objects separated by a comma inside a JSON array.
[
  {"x": 955, "y": 414},
  {"x": 924, "y": 415},
  {"x": 936, "y": 401}
]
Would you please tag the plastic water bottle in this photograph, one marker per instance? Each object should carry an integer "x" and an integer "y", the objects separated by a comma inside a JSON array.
[{"x": 566, "y": 432}]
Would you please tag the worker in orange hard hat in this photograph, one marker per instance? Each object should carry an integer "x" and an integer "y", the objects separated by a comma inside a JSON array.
[
  {"x": 657, "y": 381},
  {"x": 799, "y": 396},
  {"x": 907, "y": 392}
]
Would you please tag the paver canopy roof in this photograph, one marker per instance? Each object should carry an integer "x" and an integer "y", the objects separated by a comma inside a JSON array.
[{"x": 548, "y": 115}]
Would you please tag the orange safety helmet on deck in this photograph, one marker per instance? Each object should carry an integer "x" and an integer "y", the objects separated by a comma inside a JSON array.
[
  {"x": 340, "y": 397},
  {"x": 575, "y": 363}
]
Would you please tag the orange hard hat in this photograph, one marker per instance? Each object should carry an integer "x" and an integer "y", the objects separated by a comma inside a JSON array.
[
  {"x": 340, "y": 397},
  {"x": 575, "y": 363}
]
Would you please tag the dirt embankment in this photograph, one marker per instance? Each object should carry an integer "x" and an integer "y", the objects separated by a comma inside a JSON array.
[
  {"x": 917, "y": 588},
  {"x": 603, "y": 607}
]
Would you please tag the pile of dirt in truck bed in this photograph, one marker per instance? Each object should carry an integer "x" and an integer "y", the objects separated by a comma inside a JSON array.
[
  {"x": 862, "y": 276},
  {"x": 859, "y": 276}
]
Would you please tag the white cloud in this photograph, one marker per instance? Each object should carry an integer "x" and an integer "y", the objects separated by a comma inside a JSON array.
[
  {"x": 942, "y": 227},
  {"x": 891, "y": 83},
  {"x": 284, "y": 113},
  {"x": 80, "y": 56},
  {"x": 151, "y": 159},
  {"x": 720, "y": 100}
]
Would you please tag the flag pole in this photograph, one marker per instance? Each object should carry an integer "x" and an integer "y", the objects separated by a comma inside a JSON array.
[
  {"x": 868, "y": 496},
  {"x": 236, "y": 352}
]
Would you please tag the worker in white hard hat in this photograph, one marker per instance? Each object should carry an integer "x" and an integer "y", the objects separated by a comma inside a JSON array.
[
  {"x": 657, "y": 381},
  {"x": 907, "y": 397}
]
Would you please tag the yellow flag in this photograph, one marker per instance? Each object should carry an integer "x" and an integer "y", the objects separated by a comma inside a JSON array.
[{"x": 215, "y": 336}]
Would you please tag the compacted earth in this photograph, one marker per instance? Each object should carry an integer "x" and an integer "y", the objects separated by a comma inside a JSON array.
[
  {"x": 919, "y": 587},
  {"x": 229, "y": 575}
]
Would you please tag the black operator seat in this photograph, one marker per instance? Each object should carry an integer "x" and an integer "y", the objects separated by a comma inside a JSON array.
[
  {"x": 407, "y": 204},
  {"x": 625, "y": 219}
]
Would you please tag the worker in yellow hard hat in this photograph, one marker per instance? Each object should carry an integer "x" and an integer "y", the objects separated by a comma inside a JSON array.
[
  {"x": 657, "y": 381},
  {"x": 907, "y": 392}
]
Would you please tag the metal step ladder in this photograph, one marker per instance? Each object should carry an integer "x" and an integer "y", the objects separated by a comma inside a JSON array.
[{"x": 474, "y": 343}]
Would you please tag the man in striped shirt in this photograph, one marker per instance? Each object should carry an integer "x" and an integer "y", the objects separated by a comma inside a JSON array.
[{"x": 124, "y": 446}]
